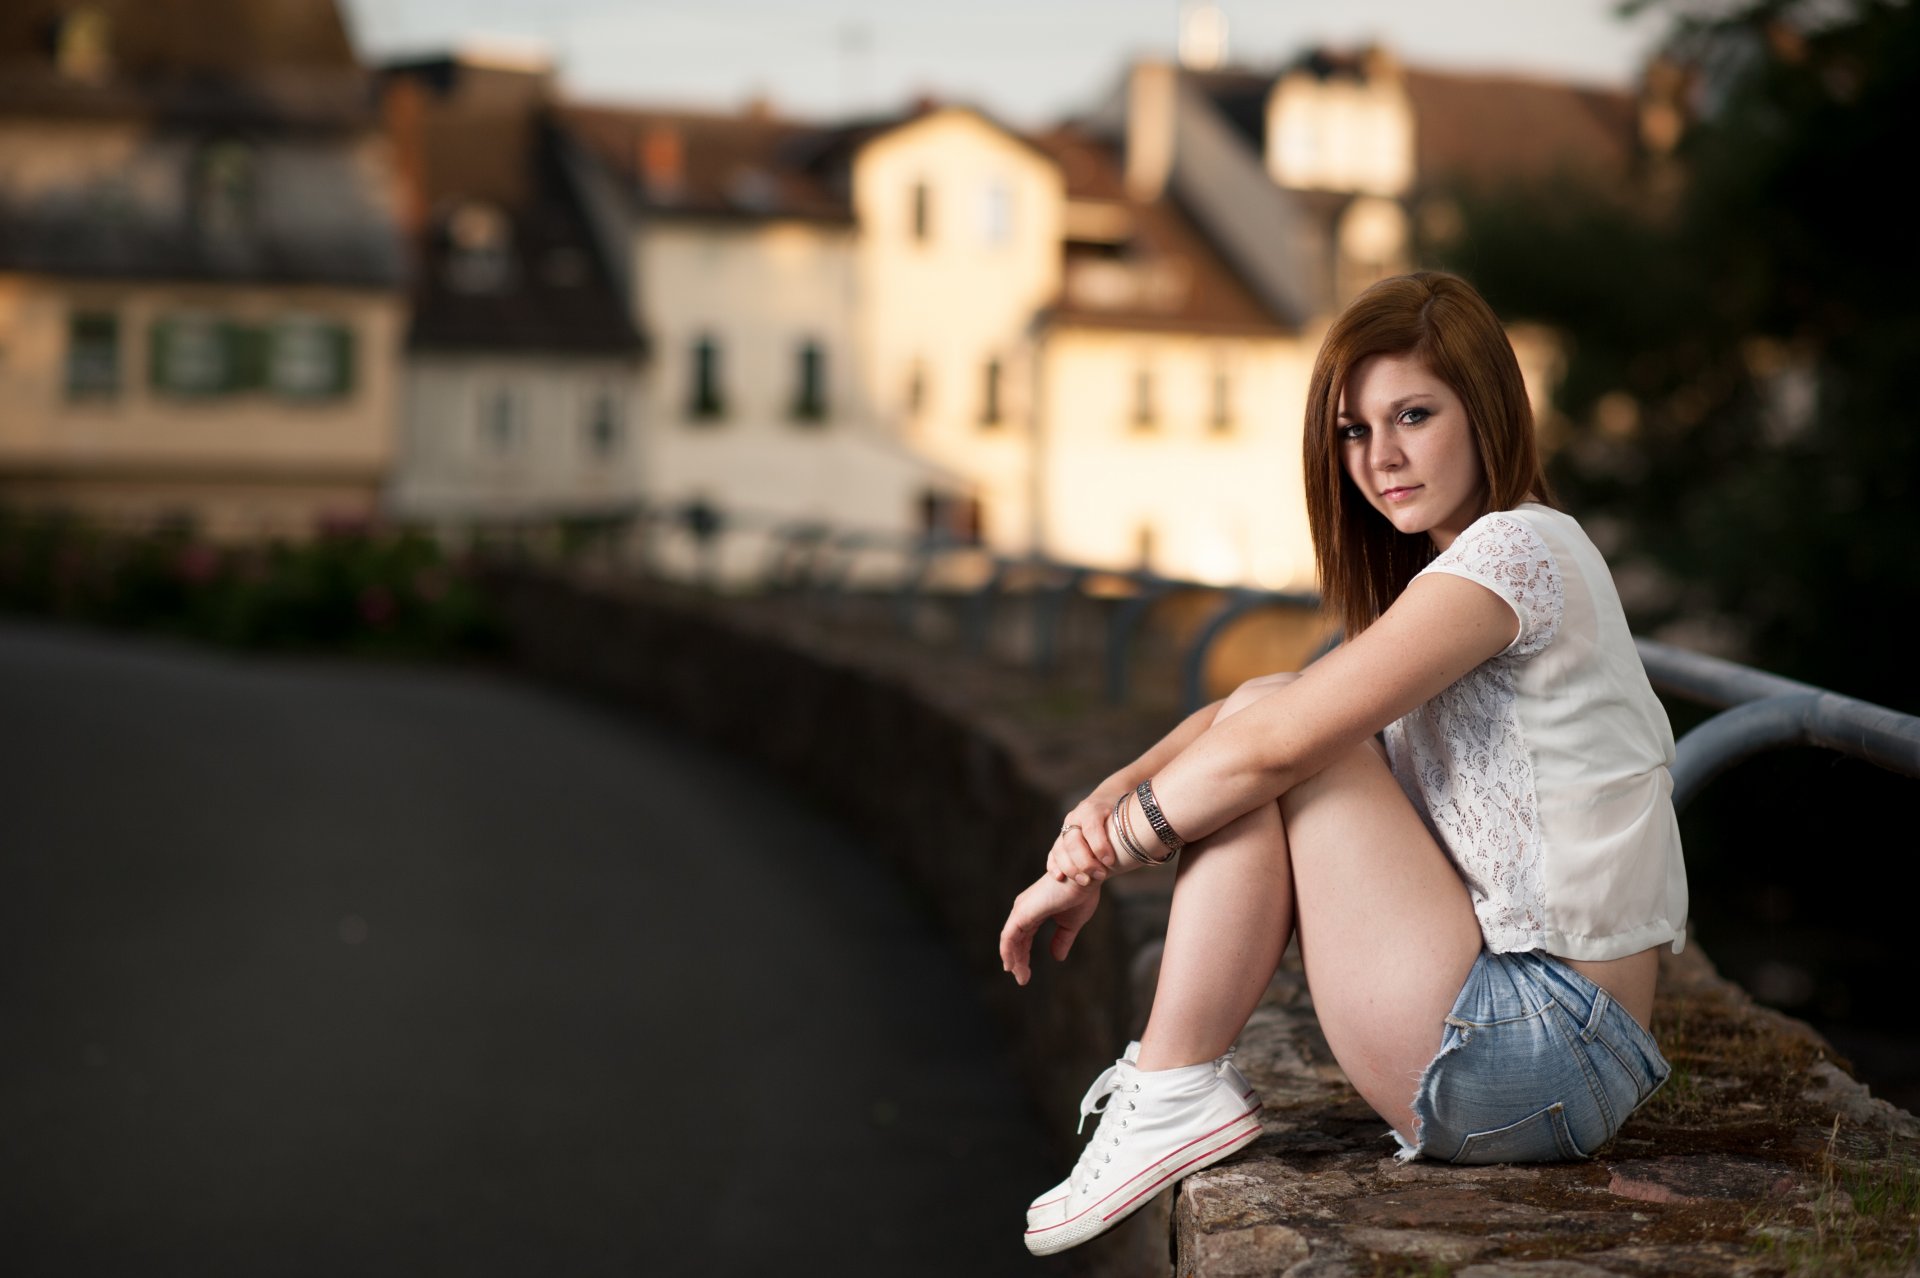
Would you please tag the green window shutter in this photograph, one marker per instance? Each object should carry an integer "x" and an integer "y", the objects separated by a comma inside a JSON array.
[
  {"x": 341, "y": 338},
  {"x": 159, "y": 347},
  {"x": 247, "y": 352}
]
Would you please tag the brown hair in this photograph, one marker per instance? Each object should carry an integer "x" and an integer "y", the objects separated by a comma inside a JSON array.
[{"x": 1365, "y": 562}]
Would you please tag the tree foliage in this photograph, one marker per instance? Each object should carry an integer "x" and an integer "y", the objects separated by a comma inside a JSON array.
[{"x": 1741, "y": 338}]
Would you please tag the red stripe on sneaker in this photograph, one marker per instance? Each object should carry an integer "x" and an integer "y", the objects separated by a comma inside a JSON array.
[
  {"x": 1153, "y": 1188},
  {"x": 1206, "y": 1136}
]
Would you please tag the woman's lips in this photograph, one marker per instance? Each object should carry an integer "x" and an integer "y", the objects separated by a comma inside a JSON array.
[{"x": 1400, "y": 494}]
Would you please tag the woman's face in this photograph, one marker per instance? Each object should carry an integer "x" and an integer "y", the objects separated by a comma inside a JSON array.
[{"x": 1405, "y": 444}]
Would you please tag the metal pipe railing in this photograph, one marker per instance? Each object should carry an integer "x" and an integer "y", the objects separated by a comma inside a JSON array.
[{"x": 1759, "y": 711}]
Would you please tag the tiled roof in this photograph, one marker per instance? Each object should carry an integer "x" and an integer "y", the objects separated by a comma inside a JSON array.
[
  {"x": 1481, "y": 129},
  {"x": 189, "y": 61},
  {"x": 151, "y": 39},
  {"x": 561, "y": 297},
  {"x": 505, "y": 151},
  {"x": 1183, "y": 281},
  {"x": 1239, "y": 94},
  {"x": 752, "y": 165},
  {"x": 1488, "y": 130},
  {"x": 749, "y": 165}
]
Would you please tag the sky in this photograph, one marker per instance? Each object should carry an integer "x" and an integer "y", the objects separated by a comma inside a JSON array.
[{"x": 1029, "y": 62}]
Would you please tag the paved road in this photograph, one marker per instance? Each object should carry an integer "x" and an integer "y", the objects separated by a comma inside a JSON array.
[{"x": 309, "y": 967}]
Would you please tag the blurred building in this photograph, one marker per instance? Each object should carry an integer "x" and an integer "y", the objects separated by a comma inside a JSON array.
[
  {"x": 201, "y": 283},
  {"x": 1092, "y": 343},
  {"x": 244, "y": 280},
  {"x": 933, "y": 320},
  {"x": 523, "y": 364}
]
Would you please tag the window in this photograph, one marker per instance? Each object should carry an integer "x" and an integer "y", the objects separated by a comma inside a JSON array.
[
  {"x": 810, "y": 396},
  {"x": 922, "y": 212},
  {"x": 501, "y": 433},
  {"x": 990, "y": 403},
  {"x": 195, "y": 355},
  {"x": 93, "y": 354},
  {"x": 606, "y": 431},
  {"x": 706, "y": 403},
  {"x": 1221, "y": 418},
  {"x": 1143, "y": 414},
  {"x": 309, "y": 358},
  {"x": 479, "y": 249},
  {"x": 996, "y": 213}
]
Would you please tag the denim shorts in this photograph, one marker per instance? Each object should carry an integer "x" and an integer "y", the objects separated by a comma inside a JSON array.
[{"x": 1537, "y": 1064}]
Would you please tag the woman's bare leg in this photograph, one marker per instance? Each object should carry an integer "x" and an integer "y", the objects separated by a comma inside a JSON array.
[{"x": 1386, "y": 929}]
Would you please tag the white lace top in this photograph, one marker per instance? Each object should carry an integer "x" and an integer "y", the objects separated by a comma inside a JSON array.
[{"x": 1543, "y": 770}]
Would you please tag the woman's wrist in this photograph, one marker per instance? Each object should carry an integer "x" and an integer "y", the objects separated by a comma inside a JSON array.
[{"x": 1131, "y": 833}]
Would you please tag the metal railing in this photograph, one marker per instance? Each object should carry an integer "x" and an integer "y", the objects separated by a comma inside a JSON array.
[{"x": 1758, "y": 711}]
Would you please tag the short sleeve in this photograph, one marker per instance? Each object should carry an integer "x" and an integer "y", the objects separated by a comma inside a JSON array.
[{"x": 1506, "y": 555}]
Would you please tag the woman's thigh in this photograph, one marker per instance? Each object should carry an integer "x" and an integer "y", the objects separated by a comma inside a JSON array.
[{"x": 1387, "y": 931}]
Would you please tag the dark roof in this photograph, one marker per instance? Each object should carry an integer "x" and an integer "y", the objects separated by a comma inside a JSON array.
[
  {"x": 1478, "y": 129},
  {"x": 487, "y": 135},
  {"x": 1239, "y": 94},
  {"x": 163, "y": 39},
  {"x": 1201, "y": 292},
  {"x": 753, "y": 165},
  {"x": 562, "y": 297},
  {"x": 49, "y": 242},
  {"x": 286, "y": 63}
]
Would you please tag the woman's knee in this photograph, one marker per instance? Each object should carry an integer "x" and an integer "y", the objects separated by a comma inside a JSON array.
[{"x": 1253, "y": 690}]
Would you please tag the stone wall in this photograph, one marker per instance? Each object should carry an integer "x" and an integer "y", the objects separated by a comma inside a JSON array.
[{"x": 1760, "y": 1156}]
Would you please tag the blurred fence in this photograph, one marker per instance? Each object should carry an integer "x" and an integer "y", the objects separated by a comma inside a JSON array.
[
  {"x": 1024, "y": 608},
  {"x": 410, "y": 587}
]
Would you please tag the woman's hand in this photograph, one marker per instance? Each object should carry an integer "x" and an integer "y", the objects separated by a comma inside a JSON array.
[
  {"x": 1084, "y": 852},
  {"x": 1067, "y": 904}
]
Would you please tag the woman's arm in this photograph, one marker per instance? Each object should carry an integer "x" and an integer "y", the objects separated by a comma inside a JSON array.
[
  {"x": 1090, "y": 814},
  {"x": 1441, "y": 627}
]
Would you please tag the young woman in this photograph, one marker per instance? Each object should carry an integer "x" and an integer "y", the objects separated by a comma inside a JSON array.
[{"x": 1479, "y": 903}]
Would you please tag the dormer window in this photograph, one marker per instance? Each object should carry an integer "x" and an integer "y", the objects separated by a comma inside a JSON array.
[
  {"x": 479, "y": 248},
  {"x": 83, "y": 45},
  {"x": 225, "y": 189}
]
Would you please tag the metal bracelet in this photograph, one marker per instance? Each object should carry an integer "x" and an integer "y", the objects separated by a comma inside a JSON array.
[
  {"x": 1123, "y": 825},
  {"x": 1156, "y": 819}
]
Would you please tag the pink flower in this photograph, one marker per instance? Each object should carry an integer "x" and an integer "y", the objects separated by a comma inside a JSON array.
[{"x": 197, "y": 564}]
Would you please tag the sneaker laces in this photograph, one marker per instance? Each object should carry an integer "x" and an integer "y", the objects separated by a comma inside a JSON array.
[{"x": 1116, "y": 1080}]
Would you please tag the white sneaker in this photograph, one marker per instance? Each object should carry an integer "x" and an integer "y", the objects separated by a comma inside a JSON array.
[{"x": 1154, "y": 1128}]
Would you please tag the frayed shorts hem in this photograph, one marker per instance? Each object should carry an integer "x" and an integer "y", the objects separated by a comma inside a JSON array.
[{"x": 1536, "y": 1064}]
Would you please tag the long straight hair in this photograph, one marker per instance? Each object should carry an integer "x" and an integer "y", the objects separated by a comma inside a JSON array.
[{"x": 1364, "y": 561}]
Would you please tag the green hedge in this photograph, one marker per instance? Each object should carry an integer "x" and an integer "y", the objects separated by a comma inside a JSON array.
[{"x": 360, "y": 588}]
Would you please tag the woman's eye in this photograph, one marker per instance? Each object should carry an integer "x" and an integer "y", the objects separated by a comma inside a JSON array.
[
  {"x": 1414, "y": 416},
  {"x": 1356, "y": 431}
]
